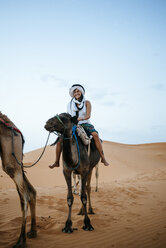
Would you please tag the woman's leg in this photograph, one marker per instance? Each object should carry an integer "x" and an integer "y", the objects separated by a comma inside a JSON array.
[
  {"x": 99, "y": 147},
  {"x": 58, "y": 154}
]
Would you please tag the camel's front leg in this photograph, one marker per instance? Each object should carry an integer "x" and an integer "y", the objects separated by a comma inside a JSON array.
[
  {"x": 68, "y": 225},
  {"x": 87, "y": 226}
]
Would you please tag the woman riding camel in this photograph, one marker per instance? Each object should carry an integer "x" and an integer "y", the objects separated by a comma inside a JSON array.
[{"x": 81, "y": 108}]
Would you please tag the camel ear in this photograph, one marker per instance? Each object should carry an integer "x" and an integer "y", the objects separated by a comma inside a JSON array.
[{"x": 74, "y": 119}]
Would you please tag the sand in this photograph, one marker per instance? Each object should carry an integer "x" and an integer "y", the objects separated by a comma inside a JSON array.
[{"x": 130, "y": 206}]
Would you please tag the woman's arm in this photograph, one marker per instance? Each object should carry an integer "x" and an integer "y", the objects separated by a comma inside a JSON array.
[{"x": 88, "y": 112}]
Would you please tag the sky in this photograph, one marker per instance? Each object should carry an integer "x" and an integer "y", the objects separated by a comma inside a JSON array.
[{"x": 114, "y": 48}]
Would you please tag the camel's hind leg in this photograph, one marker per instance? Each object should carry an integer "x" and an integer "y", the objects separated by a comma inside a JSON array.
[
  {"x": 32, "y": 202},
  {"x": 88, "y": 188},
  {"x": 97, "y": 176},
  {"x": 27, "y": 195},
  {"x": 79, "y": 180}
]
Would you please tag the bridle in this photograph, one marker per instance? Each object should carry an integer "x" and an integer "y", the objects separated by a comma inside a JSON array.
[{"x": 61, "y": 135}]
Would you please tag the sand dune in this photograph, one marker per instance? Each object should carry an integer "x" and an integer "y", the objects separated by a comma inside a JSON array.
[{"x": 130, "y": 206}]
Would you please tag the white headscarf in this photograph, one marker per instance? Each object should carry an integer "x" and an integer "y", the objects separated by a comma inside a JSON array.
[{"x": 76, "y": 86}]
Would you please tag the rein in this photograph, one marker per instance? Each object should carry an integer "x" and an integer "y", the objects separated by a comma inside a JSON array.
[
  {"x": 21, "y": 163},
  {"x": 73, "y": 134},
  {"x": 14, "y": 130}
]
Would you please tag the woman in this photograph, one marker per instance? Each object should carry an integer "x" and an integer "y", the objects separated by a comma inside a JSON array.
[{"x": 81, "y": 108}]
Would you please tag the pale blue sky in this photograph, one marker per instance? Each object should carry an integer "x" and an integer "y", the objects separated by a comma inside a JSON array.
[{"x": 116, "y": 49}]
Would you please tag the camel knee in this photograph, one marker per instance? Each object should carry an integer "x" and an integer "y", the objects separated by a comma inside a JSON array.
[
  {"x": 32, "y": 192},
  {"x": 84, "y": 199},
  {"x": 70, "y": 201},
  {"x": 32, "y": 199},
  {"x": 10, "y": 171}
]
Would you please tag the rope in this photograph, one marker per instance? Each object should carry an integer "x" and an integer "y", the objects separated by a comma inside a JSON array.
[{"x": 21, "y": 163}]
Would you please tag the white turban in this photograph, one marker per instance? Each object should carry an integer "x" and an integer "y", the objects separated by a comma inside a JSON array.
[{"x": 76, "y": 86}]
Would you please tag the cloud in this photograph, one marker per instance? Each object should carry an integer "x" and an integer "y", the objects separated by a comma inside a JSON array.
[
  {"x": 104, "y": 96},
  {"x": 159, "y": 87},
  {"x": 51, "y": 78},
  {"x": 100, "y": 93},
  {"x": 122, "y": 104},
  {"x": 107, "y": 102}
]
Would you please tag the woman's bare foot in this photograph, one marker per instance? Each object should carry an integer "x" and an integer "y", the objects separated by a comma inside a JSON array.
[
  {"x": 56, "y": 164},
  {"x": 103, "y": 160}
]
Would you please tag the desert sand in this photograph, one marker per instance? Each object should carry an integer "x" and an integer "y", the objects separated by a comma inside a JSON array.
[{"x": 130, "y": 206}]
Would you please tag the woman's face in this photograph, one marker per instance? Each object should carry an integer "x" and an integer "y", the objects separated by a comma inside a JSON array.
[{"x": 77, "y": 94}]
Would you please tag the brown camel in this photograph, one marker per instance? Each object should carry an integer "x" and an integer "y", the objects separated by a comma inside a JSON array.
[
  {"x": 75, "y": 158},
  {"x": 11, "y": 143}
]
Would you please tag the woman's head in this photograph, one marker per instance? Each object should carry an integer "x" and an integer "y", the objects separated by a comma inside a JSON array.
[{"x": 77, "y": 91}]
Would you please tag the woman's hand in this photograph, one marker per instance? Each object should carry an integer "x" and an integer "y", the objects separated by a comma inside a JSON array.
[{"x": 80, "y": 119}]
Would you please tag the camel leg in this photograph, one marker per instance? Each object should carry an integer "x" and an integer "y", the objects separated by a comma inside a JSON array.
[
  {"x": 32, "y": 202},
  {"x": 82, "y": 211},
  {"x": 87, "y": 226},
  {"x": 24, "y": 198},
  {"x": 68, "y": 225},
  {"x": 79, "y": 178},
  {"x": 97, "y": 177},
  {"x": 88, "y": 187}
]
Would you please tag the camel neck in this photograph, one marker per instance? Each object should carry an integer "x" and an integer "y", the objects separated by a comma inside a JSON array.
[{"x": 70, "y": 153}]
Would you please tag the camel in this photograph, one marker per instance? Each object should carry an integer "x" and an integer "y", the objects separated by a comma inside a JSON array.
[
  {"x": 75, "y": 158},
  {"x": 11, "y": 153}
]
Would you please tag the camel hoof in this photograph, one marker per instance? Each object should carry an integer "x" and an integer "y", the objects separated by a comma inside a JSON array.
[
  {"x": 91, "y": 211},
  {"x": 32, "y": 234},
  {"x": 67, "y": 230},
  {"x": 20, "y": 245},
  {"x": 88, "y": 228},
  {"x": 82, "y": 212}
]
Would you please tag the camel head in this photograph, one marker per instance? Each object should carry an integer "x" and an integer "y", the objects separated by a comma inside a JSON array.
[{"x": 60, "y": 123}]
